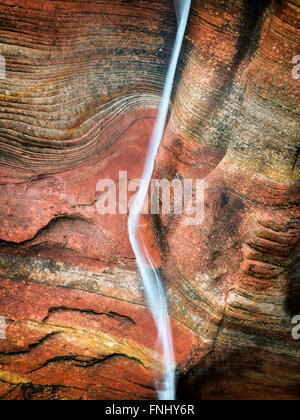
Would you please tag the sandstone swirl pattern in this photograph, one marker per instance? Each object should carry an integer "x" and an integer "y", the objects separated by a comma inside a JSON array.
[
  {"x": 78, "y": 105},
  {"x": 75, "y": 70}
]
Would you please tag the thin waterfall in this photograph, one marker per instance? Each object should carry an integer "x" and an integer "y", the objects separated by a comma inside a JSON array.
[{"x": 151, "y": 279}]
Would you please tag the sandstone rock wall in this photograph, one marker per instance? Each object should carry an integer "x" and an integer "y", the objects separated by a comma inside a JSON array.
[{"x": 78, "y": 105}]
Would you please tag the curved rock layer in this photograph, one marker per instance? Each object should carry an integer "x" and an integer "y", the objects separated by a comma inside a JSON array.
[
  {"x": 75, "y": 71},
  {"x": 77, "y": 106}
]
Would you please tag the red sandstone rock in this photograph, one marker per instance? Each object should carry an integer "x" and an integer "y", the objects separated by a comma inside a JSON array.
[{"x": 78, "y": 105}]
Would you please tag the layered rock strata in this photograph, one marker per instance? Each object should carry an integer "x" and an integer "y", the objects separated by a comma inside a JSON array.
[{"x": 78, "y": 105}]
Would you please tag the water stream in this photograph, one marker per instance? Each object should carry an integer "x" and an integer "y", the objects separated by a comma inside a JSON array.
[{"x": 153, "y": 286}]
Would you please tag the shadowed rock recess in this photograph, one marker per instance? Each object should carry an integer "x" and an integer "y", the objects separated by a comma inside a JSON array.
[{"x": 78, "y": 104}]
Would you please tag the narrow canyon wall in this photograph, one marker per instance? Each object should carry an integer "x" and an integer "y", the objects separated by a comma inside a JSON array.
[{"x": 78, "y": 104}]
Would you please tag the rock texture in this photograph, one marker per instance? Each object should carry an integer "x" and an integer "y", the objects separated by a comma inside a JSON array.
[{"x": 78, "y": 105}]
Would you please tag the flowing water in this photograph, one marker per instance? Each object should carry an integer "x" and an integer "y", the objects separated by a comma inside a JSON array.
[{"x": 151, "y": 279}]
